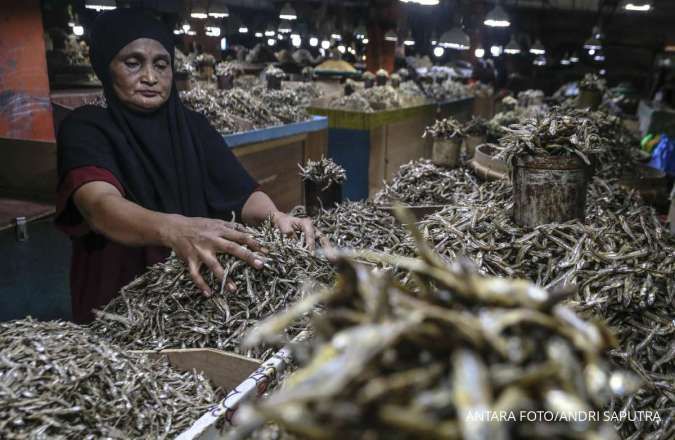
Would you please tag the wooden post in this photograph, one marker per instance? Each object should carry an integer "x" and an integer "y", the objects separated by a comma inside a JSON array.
[
  {"x": 381, "y": 53},
  {"x": 25, "y": 108}
]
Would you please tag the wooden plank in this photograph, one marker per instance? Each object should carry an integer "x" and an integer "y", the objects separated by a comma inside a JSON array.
[
  {"x": 268, "y": 145},
  {"x": 405, "y": 143},
  {"x": 275, "y": 167},
  {"x": 316, "y": 145},
  {"x": 226, "y": 370},
  {"x": 377, "y": 163}
]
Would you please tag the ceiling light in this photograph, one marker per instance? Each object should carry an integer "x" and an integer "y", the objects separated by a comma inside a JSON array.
[
  {"x": 336, "y": 36},
  {"x": 537, "y": 48},
  {"x": 438, "y": 51},
  {"x": 599, "y": 57},
  {"x": 258, "y": 34},
  {"x": 271, "y": 41},
  {"x": 496, "y": 51},
  {"x": 285, "y": 27},
  {"x": 360, "y": 32},
  {"x": 191, "y": 33},
  {"x": 591, "y": 52},
  {"x": 313, "y": 41},
  {"x": 78, "y": 30},
  {"x": 288, "y": 13},
  {"x": 513, "y": 48},
  {"x": 218, "y": 9},
  {"x": 637, "y": 6},
  {"x": 325, "y": 44},
  {"x": 295, "y": 34},
  {"x": 100, "y": 5},
  {"x": 603, "y": 72},
  {"x": 199, "y": 12},
  {"x": 434, "y": 39},
  {"x": 296, "y": 41},
  {"x": 565, "y": 62},
  {"x": 574, "y": 58},
  {"x": 391, "y": 36},
  {"x": 455, "y": 38},
  {"x": 422, "y": 2},
  {"x": 270, "y": 31},
  {"x": 539, "y": 61},
  {"x": 409, "y": 41},
  {"x": 280, "y": 37},
  {"x": 497, "y": 17},
  {"x": 342, "y": 49},
  {"x": 178, "y": 32},
  {"x": 243, "y": 29},
  {"x": 223, "y": 43},
  {"x": 479, "y": 52},
  {"x": 185, "y": 26},
  {"x": 365, "y": 41}
]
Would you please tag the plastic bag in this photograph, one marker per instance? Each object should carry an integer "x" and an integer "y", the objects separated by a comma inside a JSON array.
[{"x": 663, "y": 156}]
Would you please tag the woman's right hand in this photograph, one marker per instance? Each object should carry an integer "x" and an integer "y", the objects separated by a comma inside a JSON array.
[{"x": 197, "y": 241}]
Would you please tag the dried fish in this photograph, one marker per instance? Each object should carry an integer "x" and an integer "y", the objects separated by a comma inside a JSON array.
[
  {"x": 448, "y": 128},
  {"x": 423, "y": 183},
  {"x": 324, "y": 172},
  {"x": 592, "y": 81},
  {"x": 428, "y": 352},
  {"x": 59, "y": 381},
  {"x": 164, "y": 309}
]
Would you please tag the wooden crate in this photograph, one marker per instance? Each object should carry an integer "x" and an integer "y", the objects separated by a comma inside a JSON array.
[
  {"x": 272, "y": 156},
  {"x": 372, "y": 146}
]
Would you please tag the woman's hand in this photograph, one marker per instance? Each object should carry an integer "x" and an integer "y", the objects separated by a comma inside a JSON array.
[
  {"x": 198, "y": 240},
  {"x": 289, "y": 225}
]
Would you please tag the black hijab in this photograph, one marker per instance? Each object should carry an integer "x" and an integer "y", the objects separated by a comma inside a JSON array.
[{"x": 170, "y": 160}]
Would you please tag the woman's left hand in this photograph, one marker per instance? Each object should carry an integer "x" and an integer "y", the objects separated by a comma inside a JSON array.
[{"x": 289, "y": 225}]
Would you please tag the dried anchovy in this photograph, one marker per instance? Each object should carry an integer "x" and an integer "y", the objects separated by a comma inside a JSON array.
[
  {"x": 323, "y": 172},
  {"x": 59, "y": 381},
  {"x": 362, "y": 225},
  {"x": 306, "y": 92},
  {"x": 230, "y": 111},
  {"x": 228, "y": 68},
  {"x": 284, "y": 104},
  {"x": 416, "y": 358},
  {"x": 445, "y": 129},
  {"x": 273, "y": 72},
  {"x": 164, "y": 309},
  {"x": 477, "y": 126},
  {"x": 423, "y": 183},
  {"x": 555, "y": 134},
  {"x": 353, "y": 102},
  {"x": 447, "y": 90},
  {"x": 592, "y": 81}
]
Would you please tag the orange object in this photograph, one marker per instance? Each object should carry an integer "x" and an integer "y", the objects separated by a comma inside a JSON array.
[{"x": 25, "y": 107}]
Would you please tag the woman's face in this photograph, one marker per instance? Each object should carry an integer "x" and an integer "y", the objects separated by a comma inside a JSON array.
[{"x": 141, "y": 75}]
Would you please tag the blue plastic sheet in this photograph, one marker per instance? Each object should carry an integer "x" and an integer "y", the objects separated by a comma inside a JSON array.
[{"x": 663, "y": 156}]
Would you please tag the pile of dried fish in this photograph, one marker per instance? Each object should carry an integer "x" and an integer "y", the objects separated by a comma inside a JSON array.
[
  {"x": 382, "y": 98},
  {"x": 448, "y": 90},
  {"x": 448, "y": 128},
  {"x": 284, "y": 104},
  {"x": 228, "y": 68},
  {"x": 555, "y": 134},
  {"x": 306, "y": 92},
  {"x": 164, "y": 309},
  {"x": 59, "y": 381},
  {"x": 530, "y": 97},
  {"x": 354, "y": 102},
  {"x": 622, "y": 259},
  {"x": 593, "y": 82},
  {"x": 273, "y": 72},
  {"x": 481, "y": 90},
  {"x": 205, "y": 59},
  {"x": 477, "y": 126},
  {"x": 421, "y": 182},
  {"x": 362, "y": 225},
  {"x": 442, "y": 353},
  {"x": 237, "y": 110},
  {"x": 324, "y": 172}
]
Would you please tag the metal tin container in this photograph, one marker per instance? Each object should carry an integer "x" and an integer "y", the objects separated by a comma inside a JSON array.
[
  {"x": 445, "y": 152},
  {"x": 549, "y": 190},
  {"x": 316, "y": 197},
  {"x": 486, "y": 166}
]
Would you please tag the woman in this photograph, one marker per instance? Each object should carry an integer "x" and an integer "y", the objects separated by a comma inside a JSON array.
[{"x": 146, "y": 175}]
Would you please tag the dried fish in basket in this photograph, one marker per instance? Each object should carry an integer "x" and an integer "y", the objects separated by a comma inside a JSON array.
[
  {"x": 59, "y": 381},
  {"x": 164, "y": 309},
  {"x": 432, "y": 351}
]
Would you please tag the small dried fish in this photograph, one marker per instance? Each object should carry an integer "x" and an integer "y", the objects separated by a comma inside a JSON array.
[
  {"x": 445, "y": 129},
  {"x": 59, "y": 381},
  {"x": 324, "y": 172}
]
